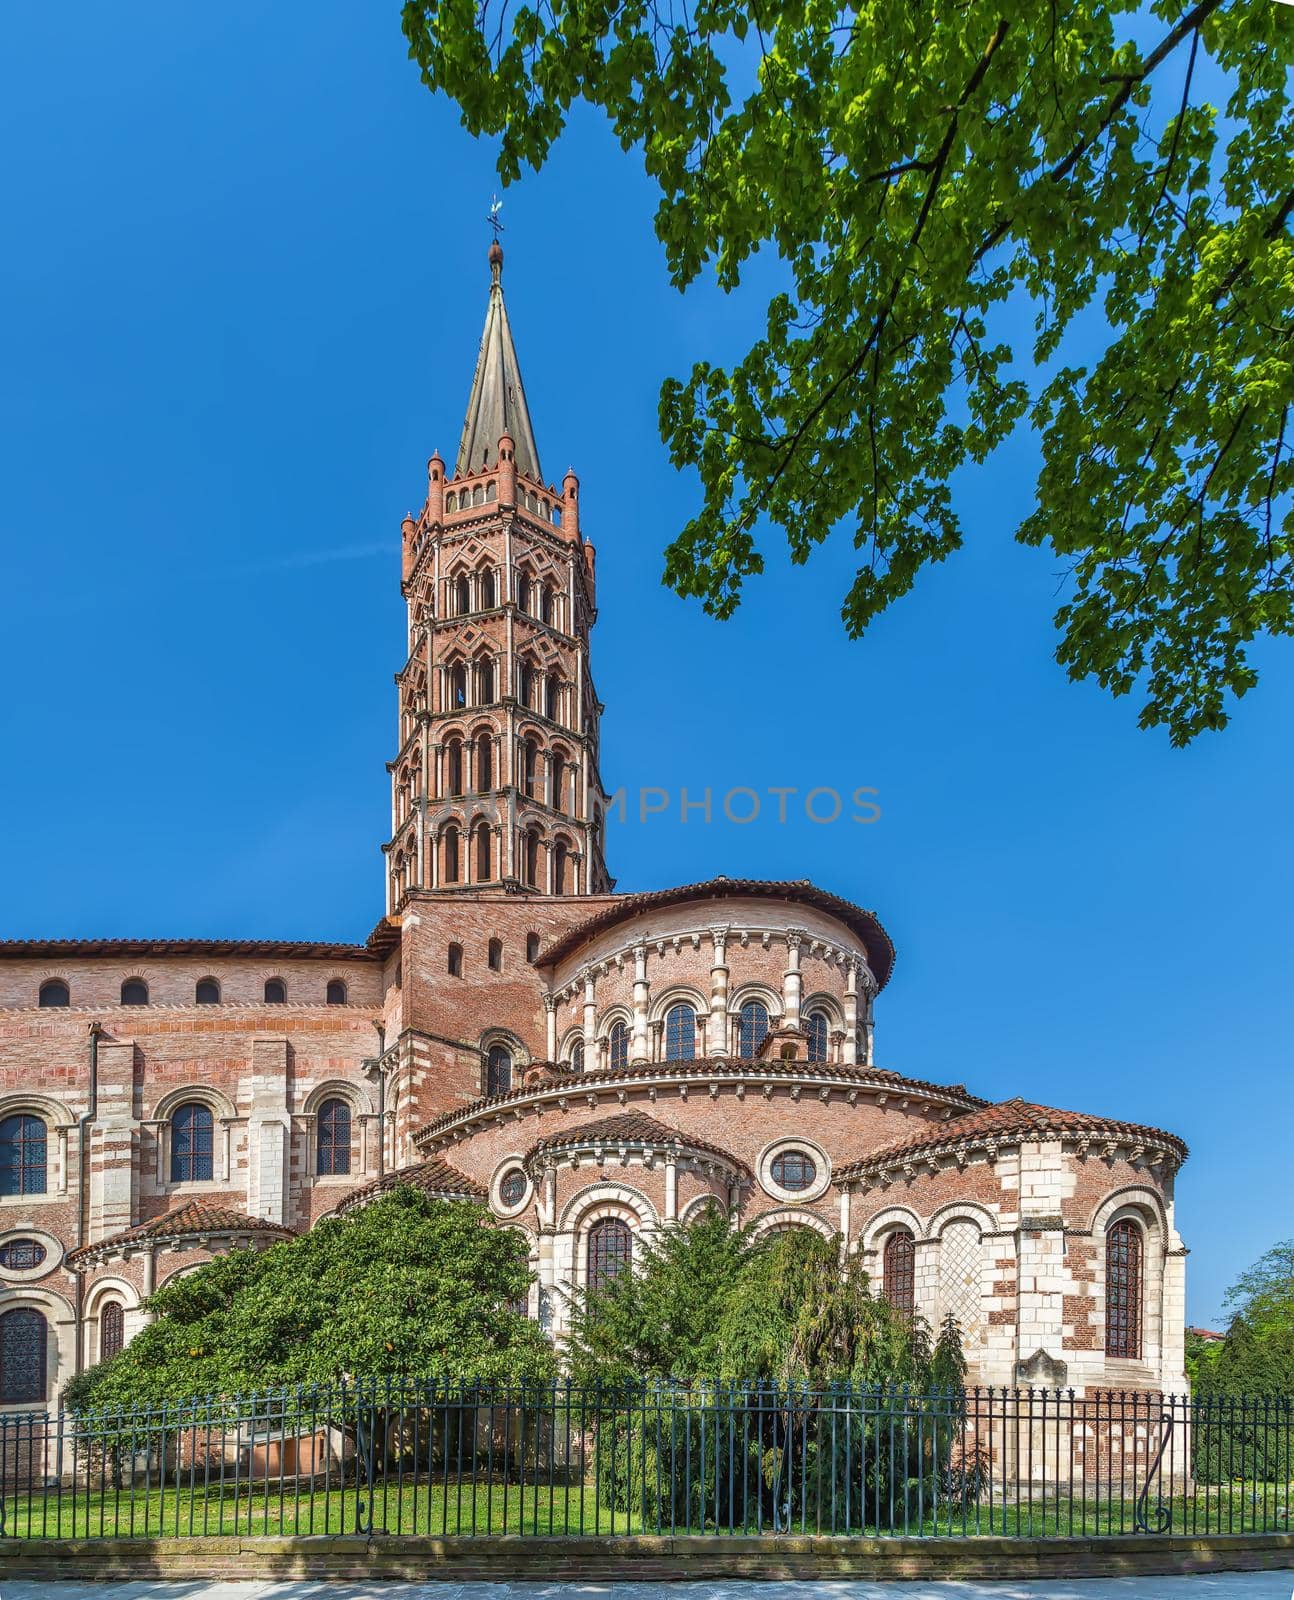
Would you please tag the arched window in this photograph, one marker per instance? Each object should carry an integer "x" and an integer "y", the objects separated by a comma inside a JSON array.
[
  {"x": 532, "y": 946},
  {"x": 451, "y": 855},
  {"x": 335, "y": 994},
  {"x": 680, "y": 1033},
  {"x": 752, "y": 1029},
  {"x": 134, "y": 992},
  {"x": 454, "y": 960},
  {"x": 485, "y": 682},
  {"x": 23, "y": 1154},
  {"x": 454, "y": 766},
  {"x": 484, "y": 763},
  {"x": 545, "y": 604},
  {"x": 525, "y": 683},
  {"x": 487, "y": 591},
  {"x": 559, "y": 867},
  {"x": 276, "y": 992},
  {"x": 498, "y": 1069},
  {"x": 482, "y": 834},
  {"x": 496, "y": 955},
  {"x": 24, "y": 1345},
  {"x": 462, "y": 596},
  {"x": 816, "y": 1031},
  {"x": 610, "y": 1251},
  {"x": 54, "y": 992},
  {"x": 523, "y": 592},
  {"x": 1123, "y": 1290},
  {"x": 532, "y": 859},
  {"x": 899, "y": 1271},
  {"x": 332, "y": 1139},
  {"x": 552, "y": 696},
  {"x": 112, "y": 1329},
  {"x": 458, "y": 685},
  {"x": 529, "y": 766},
  {"x": 207, "y": 992},
  {"x": 557, "y": 779},
  {"x": 618, "y": 1044},
  {"x": 192, "y": 1139},
  {"x": 577, "y": 1056}
]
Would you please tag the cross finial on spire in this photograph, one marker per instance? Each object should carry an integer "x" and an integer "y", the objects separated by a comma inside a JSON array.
[{"x": 496, "y": 205}]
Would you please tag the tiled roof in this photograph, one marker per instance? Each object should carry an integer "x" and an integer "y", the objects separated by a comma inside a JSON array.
[
  {"x": 875, "y": 940},
  {"x": 1008, "y": 1122},
  {"x": 879, "y": 1078},
  {"x": 305, "y": 949},
  {"x": 631, "y": 1128},
  {"x": 434, "y": 1176},
  {"x": 193, "y": 1219}
]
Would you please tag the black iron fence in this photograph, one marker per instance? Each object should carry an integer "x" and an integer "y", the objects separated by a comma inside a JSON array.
[{"x": 440, "y": 1458}]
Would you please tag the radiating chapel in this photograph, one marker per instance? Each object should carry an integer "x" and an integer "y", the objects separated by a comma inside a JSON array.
[{"x": 588, "y": 1067}]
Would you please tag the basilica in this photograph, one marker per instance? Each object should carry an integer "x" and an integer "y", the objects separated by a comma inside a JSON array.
[{"x": 587, "y": 1067}]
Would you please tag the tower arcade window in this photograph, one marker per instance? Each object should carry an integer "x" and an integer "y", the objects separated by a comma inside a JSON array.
[
  {"x": 899, "y": 1271},
  {"x": 451, "y": 855},
  {"x": 523, "y": 592},
  {"x": 24, "y": 1151},
  {"x": 54, "y": 992},
  {"x": 484, "y": 763},
  {"x": 552, "y": 696},
  {"x": 485, "y": 682},
  {"x": 618, "y": 1044},
  {"x": 112, "y": 1329},
  {"x": 609, "y": 1252},
  {"x": 454, "y": 765},
  {"x": 335, "y": 994},
  {"x": 206, "y": 992},
  {"x": 532, "y": 859},
  {"x": 546, "y": 604},
  {"x": 529, "y": 766},
  {"x": 458, "y": 685},
  {"x": 680, "y": 1033},
  {"x": 134, "y": 992},
  {"x": 560, "y": 853},
  {"x": 1123, "y": 1290},
  {"x": 498, "y": 1069},
  {"x": 276, "y": 992},
  {"x": 557, "y": 779},
  {"x": 488, "y": 600},
  {"x": 192, "y": 1141},
  {"x": 462, "y": 596},
  {"x": 24, "y": 1348},
  {"x": 525, "y": 683},
  {"x": 332, "y": 1139},
  {"x": 816, "y": 1032},
  {"x": 752, "y": 1029}
]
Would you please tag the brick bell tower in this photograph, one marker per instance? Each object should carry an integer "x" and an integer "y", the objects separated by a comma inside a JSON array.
[{"x": 496, "y": 783}]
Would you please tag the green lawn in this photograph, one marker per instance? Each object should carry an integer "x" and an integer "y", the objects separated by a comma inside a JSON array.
[{"x": 420, "y": 1506}]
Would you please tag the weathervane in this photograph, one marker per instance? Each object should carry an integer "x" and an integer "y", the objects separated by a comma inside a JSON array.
[{"x": 496, "y": 205}]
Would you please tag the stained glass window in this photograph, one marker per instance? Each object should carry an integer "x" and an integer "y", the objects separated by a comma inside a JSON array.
[
  {"x": 24, "y": 1337},
  {"x": 680, "y": 1033},
  {"x": 21, "y": 1255},
  {"x": 333, "y": 1139},
  {"x": 794, "y": 1170},
  {"x": 752, "y": 1029},
  {"x": 192, "y": 1140},
  {"x": 610, "y": 1251},
  {"x": 23, "y": 1152},
  {"x": 815, "y": 1028},
  {"x": 1123, "y": 1290},
  {"x": 900, "y": 1271},
  {"x": 618, "y": 1044},
  {"x": 512, "y": 1191},
  {"x": 498, "y": 1070}
]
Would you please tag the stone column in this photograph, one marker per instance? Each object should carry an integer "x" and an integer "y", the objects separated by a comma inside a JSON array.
[
  {"x": 717, "y": 1033},
  {"x": 671, "y": 1188},
  {"x": 269, "y": 1132},
  {"x": 791, "y": 981},
  {"x": 642, "y": 995},
  {"x": 590, "y": 1021},
  {"x": 853, "y": 1054},
  {"x": 550, "y": 1020}
]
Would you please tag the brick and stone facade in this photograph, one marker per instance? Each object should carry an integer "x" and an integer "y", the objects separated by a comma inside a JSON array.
[{"x": 515, "y": 1035}]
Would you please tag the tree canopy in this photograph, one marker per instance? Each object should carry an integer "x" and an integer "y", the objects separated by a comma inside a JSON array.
[
  {"x": 1117, "y": 174},
  {"x": 707, "y": 1300},
  {"x": 406, "y": 1286},
  {"x": 1257, "y": 1355}
]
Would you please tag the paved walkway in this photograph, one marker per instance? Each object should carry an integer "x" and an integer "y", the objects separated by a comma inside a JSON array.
[{"x": 1220, "y": 1586}]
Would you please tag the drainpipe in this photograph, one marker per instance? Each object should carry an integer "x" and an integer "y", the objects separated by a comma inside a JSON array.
[{"x": 83, "y": 1182}]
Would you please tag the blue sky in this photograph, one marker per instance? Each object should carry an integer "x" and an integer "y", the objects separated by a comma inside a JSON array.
[{"x": 245, "y": 276}]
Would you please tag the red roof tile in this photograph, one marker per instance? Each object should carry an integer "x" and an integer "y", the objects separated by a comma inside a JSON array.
[
  {"x": 875, "y": 940},
  {"x": 631, "y": 1128},
  {"x": 1010, "y": 1121},
  {"x": 193, "y": 1219},
  {"x": 304, "y": 949},
  {"x": 433, "y": 1176}
]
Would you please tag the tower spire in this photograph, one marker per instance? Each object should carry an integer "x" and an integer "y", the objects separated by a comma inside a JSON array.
[{"x": 497, "y": 404}]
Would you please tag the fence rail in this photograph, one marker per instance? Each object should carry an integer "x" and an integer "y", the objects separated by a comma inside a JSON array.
[{"x": 440, "y": 1458}]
